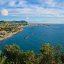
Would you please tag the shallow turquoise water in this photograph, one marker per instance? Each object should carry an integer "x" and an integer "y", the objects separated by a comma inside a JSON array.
[{"x": 32, "y": 37}]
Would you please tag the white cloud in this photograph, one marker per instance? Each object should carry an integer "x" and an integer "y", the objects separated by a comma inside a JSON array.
[
  {"x": 37, "y": 11},
  {"x": 30, "y": 9},
  {"x": 33, "y": 9},
  {"x": 19, "y": 3},
  {"x": 12, "y": 3},
  {"x": 50, "y": 2},
  {"x": 22, "y": 3},
  {"x": 4, "y": 12}
]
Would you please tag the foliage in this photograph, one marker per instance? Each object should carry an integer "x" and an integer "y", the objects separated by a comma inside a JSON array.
[{"x": 49, "y": 55}]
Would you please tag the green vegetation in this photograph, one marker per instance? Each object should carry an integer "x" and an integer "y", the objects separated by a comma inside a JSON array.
[{"x": 12, "y": 54}]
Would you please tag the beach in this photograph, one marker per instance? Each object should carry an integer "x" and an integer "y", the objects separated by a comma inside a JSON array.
[{"x": 10, "y": 34}]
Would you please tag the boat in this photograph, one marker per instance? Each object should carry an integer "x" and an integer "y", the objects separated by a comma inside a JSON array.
[{"x": 26, "y": 37}]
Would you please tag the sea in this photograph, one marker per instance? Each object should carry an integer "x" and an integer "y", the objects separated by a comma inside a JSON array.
[{"x": 32, "y": 37}]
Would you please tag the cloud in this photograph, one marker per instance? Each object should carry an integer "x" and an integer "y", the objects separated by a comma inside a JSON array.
[
  {"x": 50, "y": 3},
  {"x": 4, "y": 12},
  {"x": 35, "y": 10},
  {"x": 22, "y": 7},
  {"x": 47, "y": 3},
  {"x": 12, "y": 3},
  {"x": 22, "y": 3},
  {"x": 17, "y": 3},
  {"x": 46, "y": 11}
]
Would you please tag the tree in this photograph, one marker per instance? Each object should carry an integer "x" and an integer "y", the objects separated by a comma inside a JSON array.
[
  {"x": 1, "y": 55},
  {"x": 2, "y": 58},
  {"x": 62, "y": 57},
  {"x": 29, "y": 57},
  {"x": 3, "y": 61},
  {"x": 12, "y": 52},
  {"x": 47, "y": 54},
  {"x": 57, "y": 55}
]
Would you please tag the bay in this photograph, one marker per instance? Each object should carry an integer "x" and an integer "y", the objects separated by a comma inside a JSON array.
[{"x": 32, "y": 37}]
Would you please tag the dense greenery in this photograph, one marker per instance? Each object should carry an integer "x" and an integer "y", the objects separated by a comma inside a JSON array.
[{"x": 12, "y": 54}]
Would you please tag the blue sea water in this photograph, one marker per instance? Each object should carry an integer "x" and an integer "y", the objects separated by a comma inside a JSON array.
[{"x": 32, "y": 37}]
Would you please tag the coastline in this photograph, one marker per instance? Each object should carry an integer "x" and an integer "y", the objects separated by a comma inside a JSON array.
[
  {"x": 10, "y": 34},
  {"x": 13, "y": 33}
]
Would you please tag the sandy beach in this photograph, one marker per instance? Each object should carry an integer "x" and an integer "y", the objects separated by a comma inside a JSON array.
[{"x": 10, "y": 34}]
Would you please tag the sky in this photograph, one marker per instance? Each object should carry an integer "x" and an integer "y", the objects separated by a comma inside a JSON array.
[{"x": 33, "y": 11}]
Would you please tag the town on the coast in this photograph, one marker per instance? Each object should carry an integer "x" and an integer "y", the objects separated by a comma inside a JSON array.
[{"x": 8, "y": 28}]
